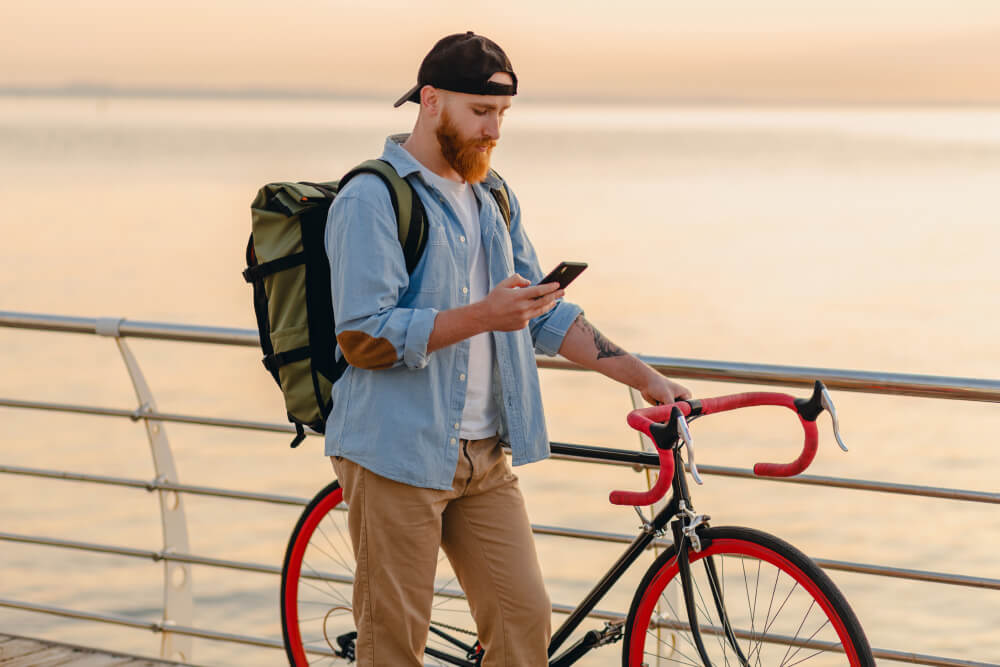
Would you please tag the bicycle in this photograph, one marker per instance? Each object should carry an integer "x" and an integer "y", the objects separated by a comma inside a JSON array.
[{"x": 687, "y": 610}]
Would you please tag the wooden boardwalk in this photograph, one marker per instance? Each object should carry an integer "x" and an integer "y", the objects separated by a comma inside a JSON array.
[{"x": 26, "y": 652}]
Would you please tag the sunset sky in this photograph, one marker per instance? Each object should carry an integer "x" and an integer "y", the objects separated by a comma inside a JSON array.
[{"x": 710, "y": 50}]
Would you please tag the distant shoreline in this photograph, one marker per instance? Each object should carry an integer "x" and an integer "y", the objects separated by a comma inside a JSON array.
[{"x": 276, "y": 94}]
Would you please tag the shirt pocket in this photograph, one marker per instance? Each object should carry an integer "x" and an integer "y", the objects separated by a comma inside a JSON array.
[{"x": 434, "y": 271}]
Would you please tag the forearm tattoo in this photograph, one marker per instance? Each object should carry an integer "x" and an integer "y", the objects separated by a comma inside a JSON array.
[{"x": 605, "y": 348}]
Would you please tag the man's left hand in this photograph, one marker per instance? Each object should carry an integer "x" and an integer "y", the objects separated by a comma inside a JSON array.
[{"x": 660, "y": 390}]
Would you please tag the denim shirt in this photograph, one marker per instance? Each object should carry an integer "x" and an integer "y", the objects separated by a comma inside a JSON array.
[{"x": 397, "y": 409}]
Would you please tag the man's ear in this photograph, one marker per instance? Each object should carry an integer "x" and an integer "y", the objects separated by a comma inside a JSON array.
[{"x": 431, "y": 99}]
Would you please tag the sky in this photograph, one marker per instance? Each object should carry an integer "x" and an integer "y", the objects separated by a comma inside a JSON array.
[{"x": 937, "y": 51}]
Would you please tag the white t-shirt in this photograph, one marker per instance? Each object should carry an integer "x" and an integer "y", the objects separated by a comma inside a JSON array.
[{"x": 480, "y": 418}]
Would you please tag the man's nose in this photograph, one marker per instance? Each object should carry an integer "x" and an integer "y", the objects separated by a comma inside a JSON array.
[{"x": 492, "y": 129}]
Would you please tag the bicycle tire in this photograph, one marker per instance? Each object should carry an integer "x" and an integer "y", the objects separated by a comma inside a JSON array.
[
  {"x": 317, "y": 578},
  {"x": 800, "y": 596}
]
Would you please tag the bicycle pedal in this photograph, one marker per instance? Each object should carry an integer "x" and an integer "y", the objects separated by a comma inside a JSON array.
[{"x": 346, "y": 643}]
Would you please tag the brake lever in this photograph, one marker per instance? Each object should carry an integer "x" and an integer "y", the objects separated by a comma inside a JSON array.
[
  {"x": 827, "y": 404},
  {"x": 685, "y": 436},
  {"x": 811, "y": 408}
]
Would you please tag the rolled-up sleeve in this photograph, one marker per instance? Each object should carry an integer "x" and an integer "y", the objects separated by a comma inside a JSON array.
[
  {"x": 548, "y": 330},
  {"x": 368, "y": 275}
]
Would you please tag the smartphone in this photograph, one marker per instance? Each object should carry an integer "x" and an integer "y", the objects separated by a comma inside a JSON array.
[{"x": 564, "y": 274}]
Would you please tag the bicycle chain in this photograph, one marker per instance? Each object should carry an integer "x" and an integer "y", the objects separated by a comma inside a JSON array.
[{"x": 456, "y": 629}]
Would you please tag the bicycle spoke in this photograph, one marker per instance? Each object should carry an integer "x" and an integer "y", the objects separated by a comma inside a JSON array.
[
  {"x": 686, "y": 661},
  {"x": 768, "y": 621},
  {"x": 756, "y": 590},
  {"x": 341, "y": 560},
  {"x": 811, "y": 637},
  {"x": 685, "y": 637},
  {"x": 319, "y": 590},
  {"x": 705, "y": 608},
  {"x": 314, "y": 618},
  {"x": 324, "y": 659},
  {"x": 324, "y": 603},
  {"x": 334, "y": 592},
  {"x": 797, "y": 632},
  {"x": 444, "y": 598},
  {"x": 746, "y": 588},
  {"x": 677, "y": 618},
  {"x": 716, "y": 585},
  {"x": 808, "y": 657}
]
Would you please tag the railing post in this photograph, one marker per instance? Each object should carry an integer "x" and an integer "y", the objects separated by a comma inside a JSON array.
[{"x": 178, "y": 603}]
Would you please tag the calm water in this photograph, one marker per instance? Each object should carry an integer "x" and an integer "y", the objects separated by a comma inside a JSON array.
[{"x": 862, "y": 239}]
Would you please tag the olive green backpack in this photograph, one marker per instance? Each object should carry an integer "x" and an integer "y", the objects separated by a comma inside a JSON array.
[{"x": 288, "y": 267}]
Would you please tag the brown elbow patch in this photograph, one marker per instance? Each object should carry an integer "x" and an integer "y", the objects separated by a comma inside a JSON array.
[{"x": 363, "y": 351}]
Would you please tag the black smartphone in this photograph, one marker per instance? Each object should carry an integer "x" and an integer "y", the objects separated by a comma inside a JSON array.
[{"x": 564, "y": 274}]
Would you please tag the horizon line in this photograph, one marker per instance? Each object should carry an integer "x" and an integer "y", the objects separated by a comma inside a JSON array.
[{"x": 83, "y": 90}]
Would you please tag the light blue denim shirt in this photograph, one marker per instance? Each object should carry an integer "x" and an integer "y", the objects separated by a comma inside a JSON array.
[{"x": 398, "y": 410}]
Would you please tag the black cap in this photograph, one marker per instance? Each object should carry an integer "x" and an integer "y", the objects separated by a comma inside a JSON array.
[{"x": 463, "y": 63}]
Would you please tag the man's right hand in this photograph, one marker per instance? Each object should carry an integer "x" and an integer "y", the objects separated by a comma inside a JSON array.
[
  {"x": 509, "y": 307},
  {"x": 514, "y": 302}
]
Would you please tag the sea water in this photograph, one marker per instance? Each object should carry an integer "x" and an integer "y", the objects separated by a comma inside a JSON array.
[{"x": 854, "y": 238}]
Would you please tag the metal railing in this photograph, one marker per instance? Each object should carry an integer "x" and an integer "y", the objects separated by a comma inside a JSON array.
[{"x": 178, "y": 605}]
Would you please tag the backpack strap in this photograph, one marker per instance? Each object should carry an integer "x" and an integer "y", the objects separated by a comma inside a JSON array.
[
  {"x": 502, "y": 197},
  {"x": 411, "y": 219}
]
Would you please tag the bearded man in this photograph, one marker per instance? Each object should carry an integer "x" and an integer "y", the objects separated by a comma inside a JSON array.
[{"x": 442, "y": 374}]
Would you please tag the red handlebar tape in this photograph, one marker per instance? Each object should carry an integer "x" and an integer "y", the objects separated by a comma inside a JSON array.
[{"x": 643, "y": 418}]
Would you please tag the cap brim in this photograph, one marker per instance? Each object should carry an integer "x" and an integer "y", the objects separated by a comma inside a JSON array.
[{"x": 412, "y": 95}]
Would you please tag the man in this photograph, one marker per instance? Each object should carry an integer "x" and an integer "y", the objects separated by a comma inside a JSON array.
[{"x": 442, "y": 372}]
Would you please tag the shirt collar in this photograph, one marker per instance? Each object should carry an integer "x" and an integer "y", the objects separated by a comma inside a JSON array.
[{"x": 405, "y": 164}]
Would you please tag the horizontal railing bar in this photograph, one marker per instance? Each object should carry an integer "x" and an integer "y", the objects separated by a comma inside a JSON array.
[
  {"x": 155, "y": 485},
  {"x": 907, "y": 573},
  {"x": 155, "y": 556},
  {"x": 591, "y": 454},
  {"x": 596, "y": 536},
  {"x": 905, "y": 384},
  {"x": 82, "y": 615},
  {"x": 868, "y": 382},
  {"x": 136, "y": 415},
  {"x": 845, "y": 566},
  {"x": 154, "y": 626},
  {"x": 248, "y": 640},
  {"x": 234, "y": 638},
  {"x": 861, "y": 485},
  {"x": 192, "y": 559},
  {"x": 924, "y": 659},
  {"x": 882, "y": 654},
  {"x": 132, "y": 328}
]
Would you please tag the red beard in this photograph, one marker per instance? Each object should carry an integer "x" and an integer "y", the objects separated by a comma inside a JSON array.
[{"x": 463, "y": 154}]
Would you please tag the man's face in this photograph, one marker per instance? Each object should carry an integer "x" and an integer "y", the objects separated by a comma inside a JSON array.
[{"x": 469, "y": 128}]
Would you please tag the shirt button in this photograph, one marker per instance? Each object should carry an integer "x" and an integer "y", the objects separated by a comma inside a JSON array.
[
  {"x": 462, "y": 377},
  {"x": 465, "y": 290},
  {"x": 456, "y": 426},
  {"x": 462, "y": 239},
  {"x": 454, "y": 441}
]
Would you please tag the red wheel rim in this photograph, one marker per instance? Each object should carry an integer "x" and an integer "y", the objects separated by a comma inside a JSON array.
[
  {"x": 733, "y": 546},
  {"x": 295, "y": 569}
]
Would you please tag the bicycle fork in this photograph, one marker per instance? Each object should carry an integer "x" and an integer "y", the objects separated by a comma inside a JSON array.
[{"x": 685, "y": 531}]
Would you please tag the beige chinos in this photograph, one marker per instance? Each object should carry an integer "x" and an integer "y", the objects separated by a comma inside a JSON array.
[{"x": 482, "y": 525}]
